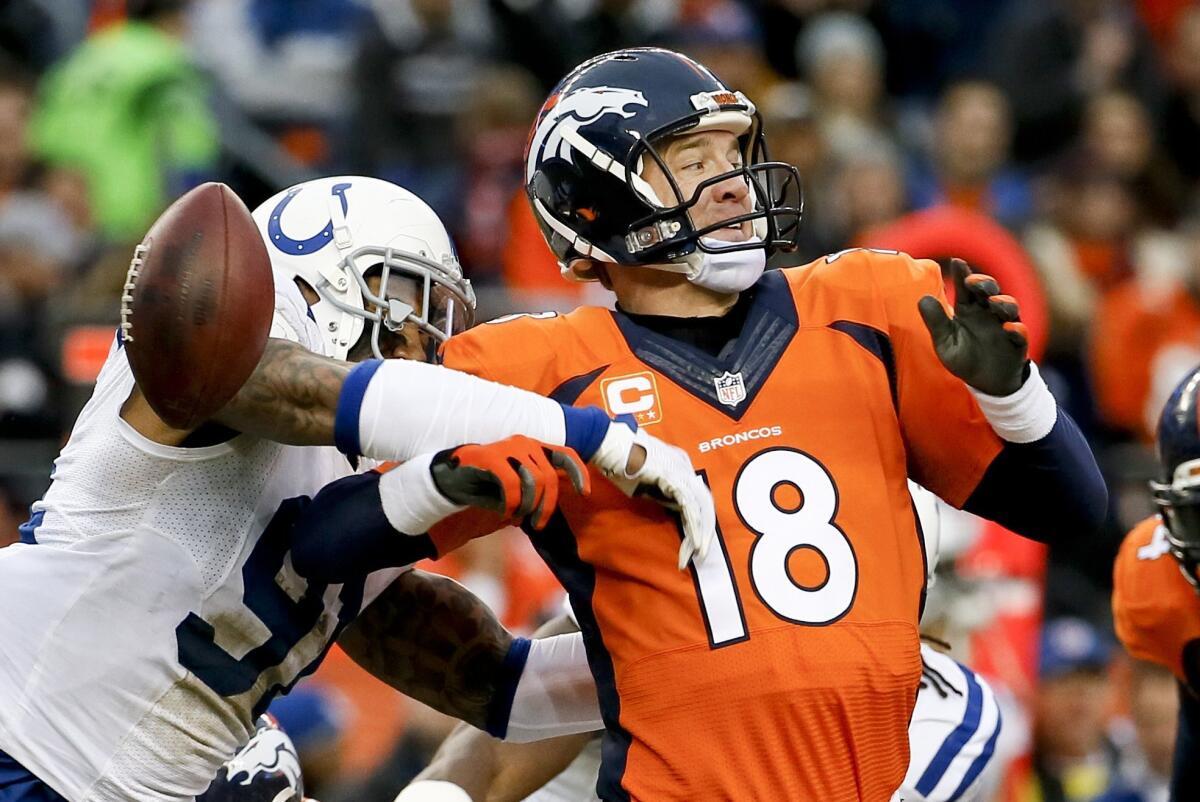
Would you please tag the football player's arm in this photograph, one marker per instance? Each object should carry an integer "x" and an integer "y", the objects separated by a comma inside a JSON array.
[
  {"x": 367, "y": 522},
  {"x": 430, "y": 638},
  {"x": 472, "y": 765},
  {"x": 1015, "y": 458}
]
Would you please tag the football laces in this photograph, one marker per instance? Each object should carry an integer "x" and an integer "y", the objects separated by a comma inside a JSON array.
[{"x": 131, "y": 277}]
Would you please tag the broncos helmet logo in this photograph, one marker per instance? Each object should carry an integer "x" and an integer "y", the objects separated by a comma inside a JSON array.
[
  {"x": 573, "y": 111},
  {"x": 269, "y": 753}
]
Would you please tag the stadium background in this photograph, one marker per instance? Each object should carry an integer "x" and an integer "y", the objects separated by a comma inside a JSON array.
[{"x": 1052, "y": 142}]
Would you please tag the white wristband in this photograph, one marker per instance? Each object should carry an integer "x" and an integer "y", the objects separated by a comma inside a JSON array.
[
  {"x": 411, "y": 500},
  {"x": 433, "y": 791},
  {"x": 1024, "y": 416}
]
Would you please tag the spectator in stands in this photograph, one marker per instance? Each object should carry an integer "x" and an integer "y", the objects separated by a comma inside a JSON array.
[
  {"x": 549, "y": 37},
  {"x": 842, "y": 57},
  {"x": 492, "y": 130},
  {"x": 790, "y": 122},
  {"x": 37, "y": 240},
  {"x": 1073, "y": 759},
  {"x": 1181, "y": 116},
  {"x": 1050, "y": 56},
  {"x": 280, "y": 61},
  {"x": 1081, "y": 246},
  {"x": 1145, "y": 768},
  {"x": 968, "y": 165},
  {"x": 417, "y": 66},
  {"x": 1118, "y": 138},
  {"x": 867, "y": 191},
  {"x": 130, "y": 112},
  {"x": 1145, "y": 336}
]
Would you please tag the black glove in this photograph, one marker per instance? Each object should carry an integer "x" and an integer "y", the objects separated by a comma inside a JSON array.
[
  {"x": 985, "y": 344},
  {"x": 515, "y": 477}
]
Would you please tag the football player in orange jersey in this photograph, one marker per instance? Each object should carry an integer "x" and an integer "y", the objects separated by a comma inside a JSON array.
[
  {"x": 1157, "y": 576},
  {"x": 785, "y": 664}
]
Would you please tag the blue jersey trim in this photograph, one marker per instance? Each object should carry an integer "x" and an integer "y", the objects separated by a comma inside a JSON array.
[
  {"x": 345, "y": 422},
  {"x": 500, "y": 708},
  {"x": 26, "y": 530},
  {"x": 957, "y": 739},
  {"x": 559, "y": 549},
  {"x": 980, "y": 761}
]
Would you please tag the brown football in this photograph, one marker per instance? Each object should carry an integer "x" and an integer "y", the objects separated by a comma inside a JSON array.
[{"x": 197, "y": 305}]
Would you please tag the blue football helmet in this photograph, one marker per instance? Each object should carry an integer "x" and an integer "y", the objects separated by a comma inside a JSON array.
[
  {"x": 594, "y": 135},
  {"x": 1177, "y": 490}
]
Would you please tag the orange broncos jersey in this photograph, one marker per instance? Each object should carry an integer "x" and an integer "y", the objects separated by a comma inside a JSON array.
[
  {"x": 785, "y": 666},
  {"x": 1156, "y": 611}
]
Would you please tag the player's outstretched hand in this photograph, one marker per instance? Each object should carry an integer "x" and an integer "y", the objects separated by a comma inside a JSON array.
[
  {"x": 515, "y": 477},
  {"x": 985, "y": 343},
  {"x": 640, "y": 463}
]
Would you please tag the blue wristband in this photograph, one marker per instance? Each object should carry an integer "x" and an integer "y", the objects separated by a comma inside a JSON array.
[
  {"x": 500, "y": 707},
  {"x": 585, "y": 427},
  {"x": 345, "y": 422}
]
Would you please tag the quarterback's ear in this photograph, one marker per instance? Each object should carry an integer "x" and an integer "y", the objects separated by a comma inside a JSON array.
[{"x": 599, "y": 270}]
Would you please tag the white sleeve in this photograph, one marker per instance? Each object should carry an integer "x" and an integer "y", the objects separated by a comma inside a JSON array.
[
  {"x": 404, "y": 408},
  {"x": 556, "y": 694}
]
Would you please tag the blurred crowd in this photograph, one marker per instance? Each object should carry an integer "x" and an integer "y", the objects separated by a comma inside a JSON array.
[{"x": 1051, "y": 142}]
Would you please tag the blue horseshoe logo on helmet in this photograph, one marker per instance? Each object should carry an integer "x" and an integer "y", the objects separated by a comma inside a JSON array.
[{"x": 299, "y": 247}]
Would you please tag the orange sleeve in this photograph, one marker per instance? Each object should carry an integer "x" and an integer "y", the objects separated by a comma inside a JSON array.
[
  {"x": 1155, "y": 611},
  {"x": 948, "y": 441},
  {"x": 451, "y": 533},
  {"x": 519, "y": 350}
]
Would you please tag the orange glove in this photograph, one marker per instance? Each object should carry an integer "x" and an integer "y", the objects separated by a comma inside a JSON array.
[{"x": 515, "y": 477}]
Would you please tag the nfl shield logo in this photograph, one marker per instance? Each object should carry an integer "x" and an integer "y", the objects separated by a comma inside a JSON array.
[{"x": 731, "y": 390}]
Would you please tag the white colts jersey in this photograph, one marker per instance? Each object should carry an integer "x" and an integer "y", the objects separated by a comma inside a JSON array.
[
  {"x": 152, "y": 610},
  {"x": 952, "y": 736}
]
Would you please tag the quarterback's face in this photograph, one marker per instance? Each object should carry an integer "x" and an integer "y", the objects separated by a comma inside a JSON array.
[{"x": 694, "y": 159}]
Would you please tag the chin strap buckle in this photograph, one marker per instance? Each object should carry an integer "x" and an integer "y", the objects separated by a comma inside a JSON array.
[{"x": 651, "y": 235}]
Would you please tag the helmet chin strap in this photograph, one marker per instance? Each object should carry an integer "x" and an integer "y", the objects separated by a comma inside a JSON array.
[{"x": 720, "y": 268}]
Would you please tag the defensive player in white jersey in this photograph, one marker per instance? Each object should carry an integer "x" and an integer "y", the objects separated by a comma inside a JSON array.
[
  {"x": 952, "y": 735},
  {"x": 152, "y": 611}
]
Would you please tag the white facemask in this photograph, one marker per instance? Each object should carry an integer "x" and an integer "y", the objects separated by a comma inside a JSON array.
[{"x": 727, "y": 271}]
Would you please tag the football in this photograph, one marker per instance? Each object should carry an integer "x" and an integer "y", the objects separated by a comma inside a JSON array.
[{"x": 197, "y": 305}]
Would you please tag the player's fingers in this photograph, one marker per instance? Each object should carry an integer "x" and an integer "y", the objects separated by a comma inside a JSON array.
[
  {"x": 548, "y": 503},
  {"x": 959, "y": 270},
  {"x": 981, "y": 287},
  {"x": 530, "y": 495},
  {"x": 567, "y": 461},
  {"x": 1017, "y": 334},
  {"x": 940, "y": 325},
  {"x": 685, "y": 553},
  {"x": 708, "y": 517},
  {"x": 1004, "y": 307}
]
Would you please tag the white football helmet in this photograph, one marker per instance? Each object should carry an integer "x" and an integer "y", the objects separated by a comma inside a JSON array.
[{"x": 331, "y": 231}]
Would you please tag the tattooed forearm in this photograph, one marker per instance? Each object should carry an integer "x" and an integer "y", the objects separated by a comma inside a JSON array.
[
  {"x": 432, "y": 639},
  {"x": 291, "y": 397}
]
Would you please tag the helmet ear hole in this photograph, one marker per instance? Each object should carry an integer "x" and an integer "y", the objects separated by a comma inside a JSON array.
[{"x": 310, "y": 295}]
